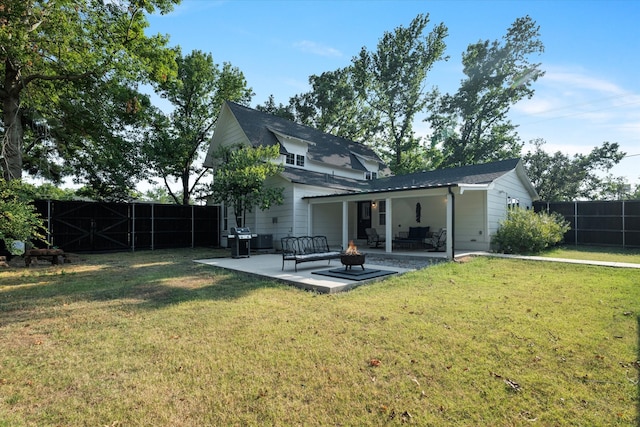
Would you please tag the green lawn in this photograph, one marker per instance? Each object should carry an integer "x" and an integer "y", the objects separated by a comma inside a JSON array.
[{"x": 150, "y": 338}]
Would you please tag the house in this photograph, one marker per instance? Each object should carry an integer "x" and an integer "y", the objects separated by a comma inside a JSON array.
[{"x": 338, "y": 188}]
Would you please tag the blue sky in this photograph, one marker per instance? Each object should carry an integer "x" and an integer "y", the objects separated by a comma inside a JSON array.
[{"x": 590, "y": 93}]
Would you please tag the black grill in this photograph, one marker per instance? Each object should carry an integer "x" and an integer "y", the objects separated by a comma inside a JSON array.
[{"x": 241, "y": 242}]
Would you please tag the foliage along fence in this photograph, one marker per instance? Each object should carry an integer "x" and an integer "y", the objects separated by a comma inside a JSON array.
[
  {"x": 76, "y": 226},
  {"x": 607, "y": 223}
]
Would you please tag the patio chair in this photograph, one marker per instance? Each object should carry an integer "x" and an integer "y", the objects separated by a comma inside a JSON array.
[
  {"x": 373, "y": 238},
  {"x": 438, "y": 242}
]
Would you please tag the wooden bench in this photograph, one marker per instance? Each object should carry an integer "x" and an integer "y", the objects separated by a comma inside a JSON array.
[
  {"x": 306, "y": 249},
  {"x": 52, "y": 255}
]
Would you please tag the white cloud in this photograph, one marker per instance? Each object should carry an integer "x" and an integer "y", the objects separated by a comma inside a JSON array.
[
  {"x": 317, "y": 48},
  {"x": 575, "y": 111},
  {"x": 570, "y": 94},
  {"x": 570, "y": 80}
]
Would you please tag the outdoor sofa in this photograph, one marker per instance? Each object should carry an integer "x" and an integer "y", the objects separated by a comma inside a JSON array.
[
  {"x": 306, "y": 249},
  {"x": 414, "y": 238}
]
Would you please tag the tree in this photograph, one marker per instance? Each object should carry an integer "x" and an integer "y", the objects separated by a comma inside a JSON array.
[
  {"x": 615, "y": 188},
  {"x": 472, "y": 126},
  {"x": 100, "y": 137},
  {"x": 280, "y": 110},
  {"x": 391, "y": 80},
  {"x": 45, "y": 46},
  {"x": 157, "y": 194},
  {"x": 334, "y": 106},
  {"x": 53, "y": 192},
  {"x": 179, "y": 138},
  {"x": 559, "y": 177},
  {"x": 239, "y": 179}
]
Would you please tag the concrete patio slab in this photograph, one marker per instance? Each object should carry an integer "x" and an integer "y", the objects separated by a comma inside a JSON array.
[{"x": 270, "y": 266}]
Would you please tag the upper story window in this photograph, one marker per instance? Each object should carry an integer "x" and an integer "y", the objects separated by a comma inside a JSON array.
[
  {"x": 370, "y": 175},
  {"x": 294, "y": 159},
  {"x": 291, "y": 158}
]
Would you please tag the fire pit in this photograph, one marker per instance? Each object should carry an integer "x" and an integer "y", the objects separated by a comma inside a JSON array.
[{"x": 352, "y": 257}]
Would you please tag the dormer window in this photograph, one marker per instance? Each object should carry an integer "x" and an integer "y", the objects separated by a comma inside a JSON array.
[
  {"x": 294, "y": 159},
  {"x": 291, "y": 158},
  {"x": 368, "y": 175}
]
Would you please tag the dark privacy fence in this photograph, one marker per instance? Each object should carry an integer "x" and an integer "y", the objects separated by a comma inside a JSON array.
[
  {"x": 614, "y": 223},
  {"x": 95, "y": 227}
]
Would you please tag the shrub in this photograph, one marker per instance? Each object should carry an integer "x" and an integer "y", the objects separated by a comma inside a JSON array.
[
  {"x": 525, "y": 231},
  {"x": 19, "y": 220}
]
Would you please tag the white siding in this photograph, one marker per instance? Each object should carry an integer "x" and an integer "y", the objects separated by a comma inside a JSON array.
[
  {"x": 433, "y": 213},
  {"x": 327, "y": 221},
  {"x": 471, "y": 221},
  {"x": 233, "y": 134},
  {"x": 301, "y": 209},
  {"x": 278, "y": 220},
  {"x": 227, "y": 133}
]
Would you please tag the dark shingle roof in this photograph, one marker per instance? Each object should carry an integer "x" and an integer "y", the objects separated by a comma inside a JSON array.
[
  {"x": 319, "y": 179},
  {"x": 473, "y": 174},
  {"x": 260, "y": 128}
]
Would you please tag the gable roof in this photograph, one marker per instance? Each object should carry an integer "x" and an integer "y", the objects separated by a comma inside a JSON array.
[{"x": 262, "y": 128}]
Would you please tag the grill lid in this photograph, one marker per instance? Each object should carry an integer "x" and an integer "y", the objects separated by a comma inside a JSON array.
[{"x": 241, "y": 232}]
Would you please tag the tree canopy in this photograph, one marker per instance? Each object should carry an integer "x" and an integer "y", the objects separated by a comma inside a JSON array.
[
  {"x": 174, "y": 147},
  {"x": 334, "y": 106},
  {"x": 57, "y": 52},
  {"x": 559, "y": 177},
  {"x": 471, "y": 126},
  {"x": 392, "y": 82}
]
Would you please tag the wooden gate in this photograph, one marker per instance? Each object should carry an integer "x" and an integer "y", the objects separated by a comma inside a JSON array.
[
  {"x": 81, "y": 226},
  {"x": 97, "y": 227}
]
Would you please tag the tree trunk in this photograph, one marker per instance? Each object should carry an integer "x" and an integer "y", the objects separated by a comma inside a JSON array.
[
  {"x": 13, "y": 131},
  {"x": 185, "y": 188}
]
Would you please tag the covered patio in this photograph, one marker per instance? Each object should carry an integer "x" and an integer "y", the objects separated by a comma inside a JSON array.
[{"x": 393, "y": 214}]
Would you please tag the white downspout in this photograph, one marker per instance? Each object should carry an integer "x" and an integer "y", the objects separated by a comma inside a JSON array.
[
  {"x": 388, "y": 228},
  {"x": 345, "y": 224}
]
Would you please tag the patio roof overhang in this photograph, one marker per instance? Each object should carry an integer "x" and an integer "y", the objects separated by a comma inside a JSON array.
[
  {"x": 364, "y": 195},
  {"x": 475, "y": 187}
]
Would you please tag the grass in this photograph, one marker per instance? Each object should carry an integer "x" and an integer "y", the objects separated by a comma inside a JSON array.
[{"x": 150, "y": 338}]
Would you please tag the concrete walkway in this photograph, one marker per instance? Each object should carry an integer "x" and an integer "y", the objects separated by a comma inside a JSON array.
[
  {"x": 270, "y": 266},
  {"x": 564, "y": 260}
]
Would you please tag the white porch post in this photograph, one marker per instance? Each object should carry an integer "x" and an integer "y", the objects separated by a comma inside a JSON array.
[
  {"x": 449, "y": 225},
  {"x": 388, "y": 227},
  {"x": 309, "y": 219},
  {"x": 345, "y": 225}
]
